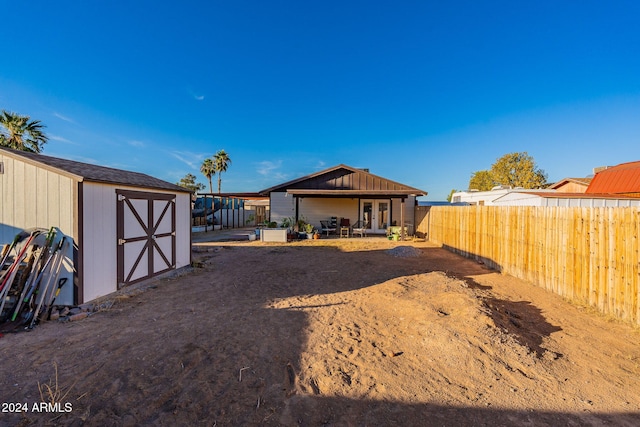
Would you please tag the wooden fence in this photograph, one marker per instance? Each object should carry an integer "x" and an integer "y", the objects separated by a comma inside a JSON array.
[{"x": 587, "y": 255}]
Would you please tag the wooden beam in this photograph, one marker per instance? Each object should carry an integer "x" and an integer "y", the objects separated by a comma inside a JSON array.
[{"x": 402, "y": 219}]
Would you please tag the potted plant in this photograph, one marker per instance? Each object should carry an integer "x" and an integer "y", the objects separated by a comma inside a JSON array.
[
  {"x": 288, "y": 223},
  {"x": 309, "y": 229}
]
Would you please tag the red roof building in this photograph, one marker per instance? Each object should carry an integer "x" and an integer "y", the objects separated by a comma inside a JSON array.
[{"x": 623, "y": 179}]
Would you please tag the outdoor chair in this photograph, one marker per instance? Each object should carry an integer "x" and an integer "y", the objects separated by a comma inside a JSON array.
[
  {"x": 326, "y": 227},
  {"x": 360, "y": 227},
  {"x": 345, "y": 227}
]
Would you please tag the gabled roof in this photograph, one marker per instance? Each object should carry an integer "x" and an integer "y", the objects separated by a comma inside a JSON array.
[
  {"x": 580, "y": 181},
  {"x": 344, "y": 181},
  {"x": 621, "y": 179},
  {"x": 92, "y": 173}
]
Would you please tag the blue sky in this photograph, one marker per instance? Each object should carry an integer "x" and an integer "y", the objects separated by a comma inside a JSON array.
[{"x": 424, "y": 93}]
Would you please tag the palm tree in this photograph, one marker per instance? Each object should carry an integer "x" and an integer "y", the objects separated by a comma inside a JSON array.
[
  {"x": 221, "y": 161},
  {"x": 21, "y": 133},
  {"x": 208, "y": 169}
]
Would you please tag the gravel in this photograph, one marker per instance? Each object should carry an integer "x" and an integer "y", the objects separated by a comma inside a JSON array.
[{"x": 405, "y": 252}]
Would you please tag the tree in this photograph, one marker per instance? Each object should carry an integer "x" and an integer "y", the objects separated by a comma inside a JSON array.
[
  {"x": 21, "y": 133},
  {"x": 518, "y": 170},
  {"x": 189, "y": 182},
  {"x": 221, "y": 161},
  {"x": 481, "y": 181},
  {"x": 451, "y": 195},
  {"x": 208, "y": 169}
]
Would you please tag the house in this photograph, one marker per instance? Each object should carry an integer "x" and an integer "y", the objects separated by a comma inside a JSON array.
[
  {"x": 623, "y": 179},
  {"x": 126, "y": 226},
  {"x": 344, "y": 192},
  {"x": 571, "y": 185}
]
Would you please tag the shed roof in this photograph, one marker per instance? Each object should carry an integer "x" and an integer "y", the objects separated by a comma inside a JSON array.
[
  {"x": 621, "y": 179},
  {"x": 344, "y": 181},
  {"x": 93, "y": 173}
]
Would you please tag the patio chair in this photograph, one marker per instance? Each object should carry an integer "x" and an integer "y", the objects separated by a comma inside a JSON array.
[
  {"x": 345, "y": 227},
  {"x": 360, "y": 227},
  {"x": 325, "y": 227}
]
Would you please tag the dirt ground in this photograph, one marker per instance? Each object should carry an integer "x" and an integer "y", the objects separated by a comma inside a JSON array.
[{"x": 335, "y": 332}]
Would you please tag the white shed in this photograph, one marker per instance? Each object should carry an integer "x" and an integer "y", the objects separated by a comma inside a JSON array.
[
  {"x": 489, "y": 198},
  {"x": 519, "y": 198},
  {"x": 126, "y": 226}
]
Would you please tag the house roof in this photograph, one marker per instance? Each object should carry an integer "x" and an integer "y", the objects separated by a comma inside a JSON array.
[
  {"x": 621, "y": 179},
  {"x": 344, "y": 181},
  {"x": 581, "y": 181},
  {"x": 92, "y": 173}
]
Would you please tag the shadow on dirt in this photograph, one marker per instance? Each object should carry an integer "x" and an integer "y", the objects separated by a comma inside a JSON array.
[
  {"x": 349, "y": 412},
  {"x": 524, "y": 322},
  {"x": 521, "y": 319}
]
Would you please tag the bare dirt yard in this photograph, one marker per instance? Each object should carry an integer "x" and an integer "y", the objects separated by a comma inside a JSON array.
[{"x": 335, "y": 332}]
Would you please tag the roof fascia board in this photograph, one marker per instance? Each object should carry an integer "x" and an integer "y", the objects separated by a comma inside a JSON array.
[{"x": 13, "y": 154}]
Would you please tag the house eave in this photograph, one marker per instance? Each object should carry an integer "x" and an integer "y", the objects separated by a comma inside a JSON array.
[{"x": 354, "y": 193}]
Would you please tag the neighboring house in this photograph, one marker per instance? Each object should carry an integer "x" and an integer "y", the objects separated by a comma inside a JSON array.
[
  {"x": 623, "y": 179},
  {"x": 126, "y": 226},
  {"x": 538, "y": 198},
  {"x": 487, "y": 198},
  {"x": 344, "y": 192},
  {"x": 571, "y": 185}
]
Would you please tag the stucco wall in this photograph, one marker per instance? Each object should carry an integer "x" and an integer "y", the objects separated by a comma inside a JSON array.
[
  {"x": 316, "y": 209},
  {"x": 282, "y": 206},
  {"x": 409, "y": 210}
]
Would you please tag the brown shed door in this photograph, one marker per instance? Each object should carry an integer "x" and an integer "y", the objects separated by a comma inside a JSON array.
[{"x": 146, "y": 228}]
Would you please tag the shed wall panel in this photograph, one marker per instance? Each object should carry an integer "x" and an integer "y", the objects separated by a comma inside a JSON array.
[
  {"x": 99, "y": 240},
  {"x": 33, "y": 197},
  {"x": 183, "y": 230}
]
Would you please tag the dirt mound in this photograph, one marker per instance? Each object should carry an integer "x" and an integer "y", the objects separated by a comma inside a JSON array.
[{"x": 404, "y": 252}]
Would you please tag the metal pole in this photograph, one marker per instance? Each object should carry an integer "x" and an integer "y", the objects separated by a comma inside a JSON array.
[{"x": 205, "y": 213}]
